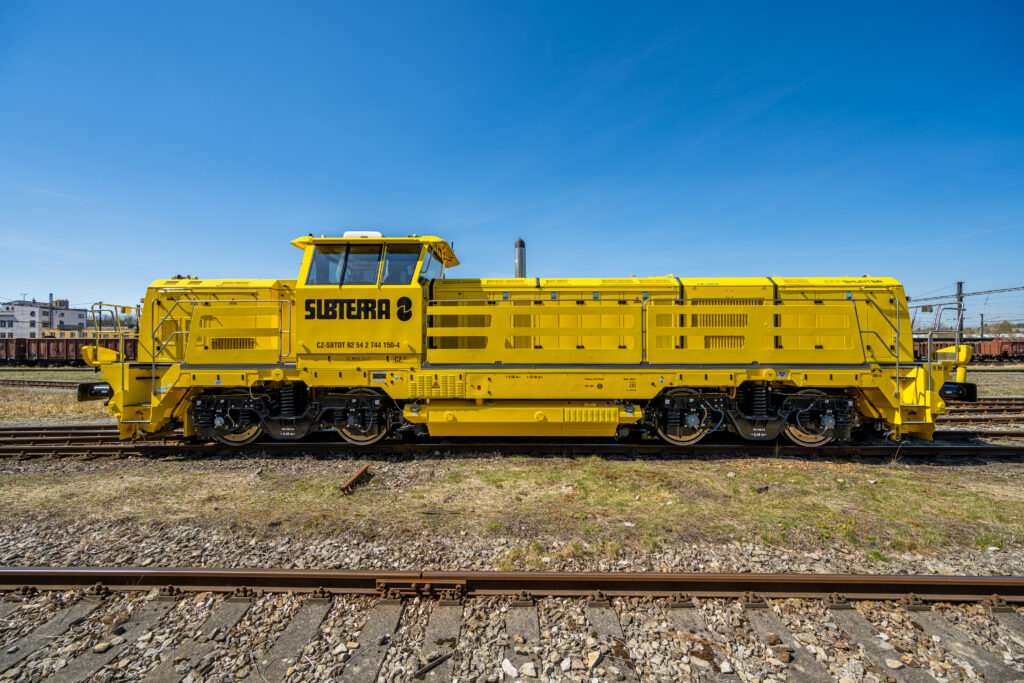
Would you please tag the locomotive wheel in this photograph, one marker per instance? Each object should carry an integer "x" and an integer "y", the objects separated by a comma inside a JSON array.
[
  {"x": 242, "y": 437},
  {"x": 800, "y": 437},
  {"x": 379, "y": 431},
  {"x": 682, "y": 435}
]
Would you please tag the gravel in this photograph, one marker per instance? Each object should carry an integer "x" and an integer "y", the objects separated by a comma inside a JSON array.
[
  {"x": 403, "y": 658},
  {"x": 568, "y": 650},
  {"x": 745, "y": 651},
  {"x": 976, "y": 620},
  {"x": 244, "y": 648},
  {"x": 91, "y": 630},
  {"x": 34, "y": 611},
  {"x": 45, "y": 541},
  {"x": 811, "y": 625},
  {"x": 917, "y": 648},
  {"x": 180, "y": 623},
  {"x": 324, "y": 658},
  {"x": 657, "y": 650},
  {"x": 481, "y": 647}
]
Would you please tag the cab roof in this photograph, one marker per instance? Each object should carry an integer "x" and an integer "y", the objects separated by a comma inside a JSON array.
[{"x": 441, "y": 248}]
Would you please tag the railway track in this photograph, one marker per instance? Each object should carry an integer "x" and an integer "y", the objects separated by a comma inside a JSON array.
[
  {"x": 40, "y": 368},
  {"x": 404, "y": 584},
  {"x": 39, "y": 383},
  {"x": 424, "y": 625},
  {"x": 993, "y": 369},
  {"x": 95, "y": 440},
  {"x": 1000, "y": 401},
  {"x": 954, "y": 444}
]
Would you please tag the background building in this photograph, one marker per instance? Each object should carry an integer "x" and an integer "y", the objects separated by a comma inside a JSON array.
[
  {"x": 31, "y": 319},
  {"x": 6, "y": 323}
]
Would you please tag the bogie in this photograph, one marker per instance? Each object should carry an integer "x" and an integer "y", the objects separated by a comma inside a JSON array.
[
  {"x": 292, "y": 411},
  {"x": 755, "y": 412}
]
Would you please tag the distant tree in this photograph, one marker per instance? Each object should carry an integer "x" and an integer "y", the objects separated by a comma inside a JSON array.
[{"x": 1004, "y": 327}]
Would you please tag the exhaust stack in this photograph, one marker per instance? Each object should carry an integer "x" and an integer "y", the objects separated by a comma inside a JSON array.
[{"x": 520, "y": 258}]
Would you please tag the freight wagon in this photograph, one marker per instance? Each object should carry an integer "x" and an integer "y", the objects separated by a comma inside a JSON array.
[
  {"x": 982, "y": 349},
  {"x": 50, "y": 351},
  {"x": 999, "y": 349}
]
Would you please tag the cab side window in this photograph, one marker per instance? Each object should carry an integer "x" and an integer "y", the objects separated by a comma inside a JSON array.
[
  {"x": 326, "y": 267},
  {"x": 432, "y": 268},
  {"x": 399, "y": 264},
  {"x": 362, "y": 265}
]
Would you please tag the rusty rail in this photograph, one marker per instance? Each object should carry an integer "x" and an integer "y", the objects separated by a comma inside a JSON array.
[
  {"x": 533, "y": 584},
  {"x": 355, "y": 479}
]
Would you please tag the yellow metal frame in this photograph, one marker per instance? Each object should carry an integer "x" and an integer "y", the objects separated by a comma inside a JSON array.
[{"x": 487, "y": 357}]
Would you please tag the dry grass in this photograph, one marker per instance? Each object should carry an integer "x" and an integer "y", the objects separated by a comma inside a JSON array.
[
  {"x": 611, "y": 504},
  {"x": 998, "y": 383},
  {"x": 615, "y": 504},
  {"x": 47, "y": 405}
]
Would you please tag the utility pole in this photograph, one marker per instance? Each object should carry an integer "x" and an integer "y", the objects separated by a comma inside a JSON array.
[
  {"x": 959, "y": 312},
  {"x": 982, "y": 327}
]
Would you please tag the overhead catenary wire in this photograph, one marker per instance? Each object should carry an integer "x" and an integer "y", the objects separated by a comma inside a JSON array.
[{"x": 952, "y": 297}]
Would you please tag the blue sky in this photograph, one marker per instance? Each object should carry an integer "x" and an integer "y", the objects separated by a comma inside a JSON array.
[{"x": 140, "y": 140}]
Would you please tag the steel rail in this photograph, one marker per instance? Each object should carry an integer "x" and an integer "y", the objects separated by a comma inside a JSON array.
[
  {"x": 81, "y": 439},
  {"x": 980, "y": 417},
  {"x": 63, "y": 450},
  {"x": 59, "y": 428},
  {"x": 994, "y": 408},
  {"x": 7, "y": 437},
  {"x": 94, "y": 431},
  {"x": 536, "y": 584},
  {"x": 37, "y": 368},
  {"x": 39, "y": 383},
  {"x": 996, "y": 369},
  {"x": 152, "y": 449}
]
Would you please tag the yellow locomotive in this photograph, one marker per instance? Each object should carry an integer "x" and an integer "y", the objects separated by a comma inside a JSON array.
[{"x": 370, "y": 340}]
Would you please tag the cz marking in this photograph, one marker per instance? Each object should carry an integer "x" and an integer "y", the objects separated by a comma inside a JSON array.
[{"x": 357, "y": 345}]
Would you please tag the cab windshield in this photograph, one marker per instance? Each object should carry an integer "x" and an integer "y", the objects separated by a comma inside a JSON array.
[
  {"x": 400, "y": 264},
  {"x": 327, "y": 264},
  {"x": 361, "y": 264},
  {"x": 352, "y": 264},
  {"x": 432, "y": 269}
]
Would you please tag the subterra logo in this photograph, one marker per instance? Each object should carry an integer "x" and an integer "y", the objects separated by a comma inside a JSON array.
[
  {"x": 357, "y": 309},
  {"x": 403, "y": 308}
]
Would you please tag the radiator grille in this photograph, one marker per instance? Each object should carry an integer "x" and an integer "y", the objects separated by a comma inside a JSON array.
[
  {"x": 723, "y": 342},
  {"x": 718, "y": 319},
  {"x": 232, "y": 343},
  {"x": 726, "y": 302}
]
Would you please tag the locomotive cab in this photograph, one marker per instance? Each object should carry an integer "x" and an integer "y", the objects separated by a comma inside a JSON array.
[
  {"x": 364, "y": 295},
  {"x": 359, "y": 322}
]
